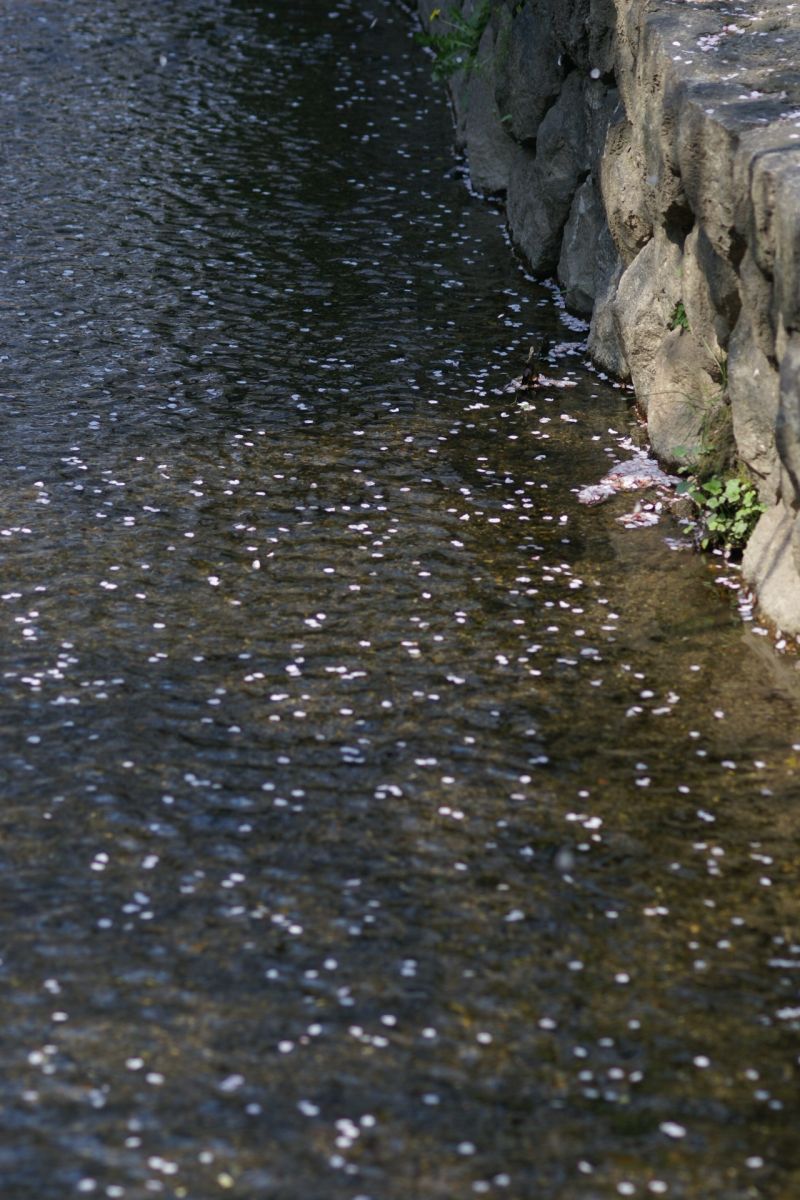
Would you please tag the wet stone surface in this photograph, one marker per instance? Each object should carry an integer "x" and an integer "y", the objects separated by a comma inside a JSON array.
[{"x": 377, "y": 822}]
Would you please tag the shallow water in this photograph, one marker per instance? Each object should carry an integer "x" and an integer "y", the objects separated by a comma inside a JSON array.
[{"x": 377, "y": 822}]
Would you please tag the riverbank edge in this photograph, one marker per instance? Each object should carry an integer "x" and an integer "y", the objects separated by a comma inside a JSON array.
[{"x": 648, "y": 153}]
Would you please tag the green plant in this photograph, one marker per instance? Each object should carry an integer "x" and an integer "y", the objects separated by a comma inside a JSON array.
[
  {"x": 728, "y": 510},
  {"x": 455, "y": 40},
  {"x": 679, "y": 319}
]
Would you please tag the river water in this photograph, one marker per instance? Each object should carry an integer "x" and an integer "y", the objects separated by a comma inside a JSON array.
[{"x": 377, "y": 822}]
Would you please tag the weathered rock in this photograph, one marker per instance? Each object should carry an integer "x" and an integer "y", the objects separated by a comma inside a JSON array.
[
  {"x": 578, "y": 264},
  {"x": 786, "y": 272},
  {"x": 684, "y": 391},
  {"x": 646, "y": 299},
  {"x": 529, "y": 71},
  {"x": 542, "y": 185},
  {"x": 605, "y": 346},
  {"x": 706, "y": 152},
  {"x": 754, "y": 396},
  {"x": 489, "y": 149},
  {"x": 585, "y": 28},
  {"x": 709, "y": 293},
  {"x": 787, "y": 424},
  {"x": 755, "y": 289},
  {"x": 770, "y": 565},
  {"x": 622, "y": 178}
]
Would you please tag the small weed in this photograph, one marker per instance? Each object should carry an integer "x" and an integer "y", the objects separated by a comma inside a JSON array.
[
  {"x": 679, "y": 319},
  {"x": 729, "y": 509},
  {"x": 455, "y": 39}
]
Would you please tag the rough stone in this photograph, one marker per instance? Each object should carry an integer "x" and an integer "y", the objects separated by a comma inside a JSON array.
[
  {"x": 786, "y": 271},
  {"x": 481, "y": 133},
  {"x": 754, "y": 397},
  {"x": 622, "y": 175},
  {"x": 529, "y": 72},
  {"x": 755, "y": 289},
  {"x": 706, "y": 152},
  {"x": 684, "y": 390},
  {"x": 709, "y": 292},
  {"x": 769, "y": 565},
  {"x": 542, "y": 185},
  {"x": 586, "y": 29},
  {"x": 578, "y": 264},
  {"x": 787, "y": 424},
  {"x": 605, "y": 346},
  {"x": 646, "y": 298}
]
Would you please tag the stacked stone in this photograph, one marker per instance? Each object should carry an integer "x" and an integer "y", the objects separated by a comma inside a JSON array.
[{"x": 649, "y": 156}]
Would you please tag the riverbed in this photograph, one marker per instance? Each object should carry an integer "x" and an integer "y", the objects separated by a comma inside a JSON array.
[{"x": 378, "y": 823}]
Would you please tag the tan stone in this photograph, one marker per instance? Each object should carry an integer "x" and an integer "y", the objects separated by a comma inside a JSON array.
[
  {"x": 685, "y": 388},
  {"x": 643, "y": 307},
  {"x": 769, "y": 566}
]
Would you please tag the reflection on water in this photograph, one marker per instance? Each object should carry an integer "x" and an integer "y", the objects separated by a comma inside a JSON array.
[{"x": 377, "y": 821}]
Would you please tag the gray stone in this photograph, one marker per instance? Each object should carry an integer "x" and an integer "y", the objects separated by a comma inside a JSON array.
[
  {"x": 542, "y": 186},
  {"x": 769, "y": 566},
  {"x": 709, "y": 292},
  {"x": 684, "y": 391},
  {"x": 602, "y": 109},
  {"x": 529, "y": 71},
  {"x": 754, "y": 395},
  {"x": 787, "y": 242},
  {"x": 622, "y": 181},
  {"x": 489, "y": 149},
  {"x": 586, "y": 30},
  {"x": 706, "y": 151},
  {"x": 787, "y": 425},
  {"x": 648, "y": 292},
  {"x": 577, "y": 266},
  {"x": 605, "y": 346},
  {"x": 755, "y": 289}
]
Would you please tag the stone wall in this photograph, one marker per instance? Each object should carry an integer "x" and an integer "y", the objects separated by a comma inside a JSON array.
[{"x": 649, "y": 156}]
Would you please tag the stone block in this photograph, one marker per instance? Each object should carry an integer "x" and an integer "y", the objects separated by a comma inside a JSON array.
[
  {"x": 770, "y": 566},
  {"x": 706, "y": 152},
  {"x": 753, "y": 387},
  {"x": 605, "y": 346},
  {"x": 529, "y": 70},
  {"x": 787, "y": 425},
  {"x": 648, "y": 292},
  {"x": 710, "y": 293},
  {"x": 542, "y": 185},
  {"x": 684, "y": 391},
  {"x": 579, "y": 270},
  {"x": 622, "y": 182},
  {"x": 481, "y": 133}
]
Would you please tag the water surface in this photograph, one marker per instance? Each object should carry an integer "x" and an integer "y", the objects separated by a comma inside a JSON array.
[{"x": 377, "y": 823}]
